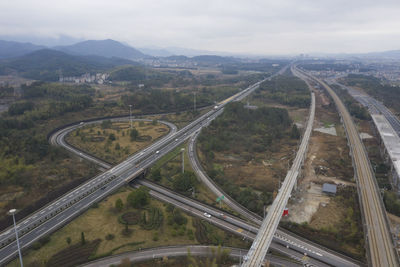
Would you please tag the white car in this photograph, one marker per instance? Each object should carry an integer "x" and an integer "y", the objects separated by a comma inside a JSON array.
[
  {"x": 158, "y": 151},
  {"x": 207, "y": 215}
]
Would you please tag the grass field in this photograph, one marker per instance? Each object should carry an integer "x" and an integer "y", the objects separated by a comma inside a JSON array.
[{"x": 98, "y": 141}]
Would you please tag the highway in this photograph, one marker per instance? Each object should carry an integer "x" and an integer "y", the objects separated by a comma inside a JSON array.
[
  {"x": 181, "y": 251},
  {"x": 70, "y": 205},
  {"x": 380, "y": 249},
  {"x": 264, "y": 237},
  {"x": 294, "y": 246},
  {"x": 374, "y": 106},
  {"x": 283, "y": 237}
]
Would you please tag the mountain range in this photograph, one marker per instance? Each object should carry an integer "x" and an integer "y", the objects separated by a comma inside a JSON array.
[
  {"x": 105, "y": 48},
  {"x": 48, "y": 64},
  {"x": 9, "y": 49}
]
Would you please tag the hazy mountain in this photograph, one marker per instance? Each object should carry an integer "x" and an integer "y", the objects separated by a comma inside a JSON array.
[
  {"x": 213, "y": 59},
  {"x": 191, "y": 52},
  {"x": 47, "y": 64},
  {"x": 155, "y": 52},
  {"x": 178, "y": 58},
  {"x": 42, "y": 40},
  {"x": 9, "y": 49},
  {"x": 104, "y": 48},
  {"x": 393, "y": 54}
]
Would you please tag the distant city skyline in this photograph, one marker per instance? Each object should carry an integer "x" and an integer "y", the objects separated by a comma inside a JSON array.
[{"x": 246, "y": 27}]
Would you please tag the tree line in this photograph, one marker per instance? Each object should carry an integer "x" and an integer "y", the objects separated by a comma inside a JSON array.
[
  {"x": 388, "y": 94},
  {"x": 285, "y": 89}
]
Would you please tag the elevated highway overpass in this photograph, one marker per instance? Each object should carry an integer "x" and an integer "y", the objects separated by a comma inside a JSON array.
[{"x": 268, "y": 227}]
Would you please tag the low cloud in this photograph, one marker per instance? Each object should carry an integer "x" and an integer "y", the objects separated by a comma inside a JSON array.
[{"x": 259, "y": 27}]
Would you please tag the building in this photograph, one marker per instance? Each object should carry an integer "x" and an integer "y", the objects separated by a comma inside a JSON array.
[
  {"x": 329, "y": 189},
  {"x": 390, "y": 148}
]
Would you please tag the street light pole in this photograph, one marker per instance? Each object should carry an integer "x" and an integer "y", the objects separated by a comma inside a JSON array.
[
  {"x": 130, "y": 115},
  {"x": 183, "y": 160},
  {"x": 12, "y": 212}
]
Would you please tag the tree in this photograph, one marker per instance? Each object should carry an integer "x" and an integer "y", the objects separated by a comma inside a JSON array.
[
  {"x": 83, "y": 241},
  {"x": 119, "y": 204},
  {"x": 184, "y": 182},
  {"x": 134, "y": 134},
  {"x": 117, "y": 146},
  {"x": 156, "y": 175},
  {"x": 178, "y": 218},
  {"x": 295, "y": 133},
  {"x": 106, "y": 124},
  {"x": 68, "y": 239},
  {"x": 112, "y": 137},
  {"x": 138, "y": 198}
]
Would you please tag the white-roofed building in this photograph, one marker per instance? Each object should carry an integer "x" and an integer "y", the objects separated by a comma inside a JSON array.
[{"x": 391, "y": 144}]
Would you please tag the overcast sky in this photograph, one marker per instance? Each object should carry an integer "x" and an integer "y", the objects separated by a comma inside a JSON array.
[{"x": 253, "y": 26}]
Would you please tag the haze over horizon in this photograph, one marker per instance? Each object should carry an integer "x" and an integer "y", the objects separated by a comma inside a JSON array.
[{"x": 256, "y": 27}]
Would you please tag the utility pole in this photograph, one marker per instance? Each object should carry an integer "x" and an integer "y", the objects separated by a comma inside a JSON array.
[
  {"x": 183, "y": 160},
  {"x": 130, "y": 115},
  {"x": 264, "y": 211},
  {"x": 12, "y": 212}
]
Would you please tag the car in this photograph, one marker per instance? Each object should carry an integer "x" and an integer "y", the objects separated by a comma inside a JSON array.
[
  {"x": 81, "y": 123},
  {"x": 104, "y": 187},
  {"x": 158, "y": 152},
  {"x": 176, "y": 139},
  {"x": 207, "y": 215}
]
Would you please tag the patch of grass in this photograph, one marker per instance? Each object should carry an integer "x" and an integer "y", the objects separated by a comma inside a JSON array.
[
  {"x": 74, "y": 255},
  {"x": 131, "y": 218},
  {"x": 112, "y": 142},
  {"x": 152, "y": 219}
]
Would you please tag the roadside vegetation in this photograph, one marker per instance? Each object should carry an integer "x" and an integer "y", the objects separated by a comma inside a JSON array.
[
  {"x": 115, "y": 141},
  {"x": 127, "y": 220},
  {"x": 344, "y": 233},
  {"x": 33, "y": 173},
  {"x": 286, "y": 90},
  {"x": 168, "y": 173},
  {"x": 247, "y": 138},
  {"x": 355, "y": 109},
  {"x": 388, "y": 94}
]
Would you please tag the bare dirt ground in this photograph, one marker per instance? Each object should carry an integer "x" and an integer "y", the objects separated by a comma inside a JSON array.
[{"x": 328, "y": 161}]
